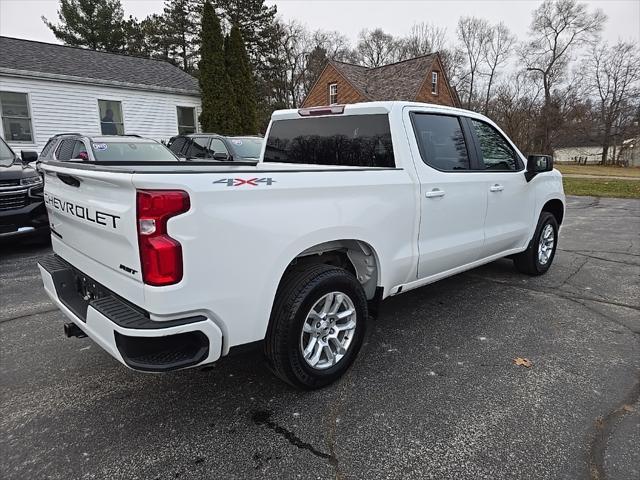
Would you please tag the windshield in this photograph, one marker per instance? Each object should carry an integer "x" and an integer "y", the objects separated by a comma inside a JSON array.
[
  {"x": 131, "y": 152},
  {"x": 247, "y": 147},
  {"x": 6, "y": 155},
  {"x": 349, "y": 140}
]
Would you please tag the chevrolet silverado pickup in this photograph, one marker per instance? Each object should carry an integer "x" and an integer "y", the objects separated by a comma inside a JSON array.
[{"x": 169, "y": 265}]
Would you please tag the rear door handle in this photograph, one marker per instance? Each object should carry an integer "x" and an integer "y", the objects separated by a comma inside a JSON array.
[
  {"x": 436, "y": 192},
  {"x": 496, "y": 188}
]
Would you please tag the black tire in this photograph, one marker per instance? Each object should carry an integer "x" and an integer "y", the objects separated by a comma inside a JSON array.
[
  {"x": 528, "y": 261},
  {"x": 298, "y": 292}
]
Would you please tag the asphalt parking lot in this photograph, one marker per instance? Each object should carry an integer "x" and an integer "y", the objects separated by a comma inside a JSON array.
[{"x": 434, "y": 393}]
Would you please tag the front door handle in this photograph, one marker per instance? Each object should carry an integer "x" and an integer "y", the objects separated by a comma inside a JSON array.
[
  {"x": 496, "y": 188},
  {"x": 435, "y": 193}
]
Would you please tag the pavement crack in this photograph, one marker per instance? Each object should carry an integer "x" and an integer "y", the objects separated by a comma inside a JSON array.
[
  {"x": 595, "y": 202},
  {"x": 27, "y": 315},
  {"x": 576, "y": 272},
  {"x": 603, "y": 428},
  {"x": 603, "y": 315},
  {"x": 557, "y": 293},
  {"x": 263, "y": 417},
  {"x": 580, "y": 252}
]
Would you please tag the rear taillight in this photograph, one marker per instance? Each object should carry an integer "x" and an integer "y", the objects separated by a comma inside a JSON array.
[{"x": 160, "y": 255}]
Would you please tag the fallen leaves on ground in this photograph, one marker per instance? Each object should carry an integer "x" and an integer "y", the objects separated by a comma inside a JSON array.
[{"x": 525, "y": 362}]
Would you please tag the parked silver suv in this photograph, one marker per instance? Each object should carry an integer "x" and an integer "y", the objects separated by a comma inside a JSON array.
[{"x": 105, "y": 149}]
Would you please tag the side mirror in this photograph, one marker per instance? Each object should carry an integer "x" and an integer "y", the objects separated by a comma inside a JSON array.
[
  {"x": 537, "y": 164},
  {"x": 28, "y": 156},
  {"x": 222, "y": 156}
]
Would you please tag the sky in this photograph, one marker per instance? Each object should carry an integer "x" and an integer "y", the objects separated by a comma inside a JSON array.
[{"x": 21, "y": 18}]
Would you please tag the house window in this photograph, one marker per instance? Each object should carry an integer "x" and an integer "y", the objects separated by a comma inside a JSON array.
[
  {"x": 186, "y": 120},
  {"x": 111, "y": 122},
  {"x": 434, "y": 83},
  {"x": 333, "y": 93},
  {"x": 16, "y": 117}
]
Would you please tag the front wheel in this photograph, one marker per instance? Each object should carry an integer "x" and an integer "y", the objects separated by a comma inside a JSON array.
[
  {"x": 539, "y": 255},
  {"x": 317, "y": 326}
]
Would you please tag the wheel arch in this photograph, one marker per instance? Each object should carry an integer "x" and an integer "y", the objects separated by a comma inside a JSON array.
[
  {"x": 555, "y": 207},
  {"x": 357, "y": 256}
]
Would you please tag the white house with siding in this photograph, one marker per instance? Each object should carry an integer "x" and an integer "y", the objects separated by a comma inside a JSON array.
[
  {"x": 586, "y": 150},
  {"x": 46, "y": 89}
]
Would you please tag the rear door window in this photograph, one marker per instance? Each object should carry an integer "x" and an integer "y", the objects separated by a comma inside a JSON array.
[
  {"x": 80, "y": 151},
  {"x": 199, "y": 148},
  {"x": 177, "y": 145},
  {"x": 350, "y": 140},
  {"x": 441, "y": 141},
  {"x": 65, "y": 150}
]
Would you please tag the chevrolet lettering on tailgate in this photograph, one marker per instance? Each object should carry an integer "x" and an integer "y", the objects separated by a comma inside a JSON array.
[{"x": 96, "y": 216}]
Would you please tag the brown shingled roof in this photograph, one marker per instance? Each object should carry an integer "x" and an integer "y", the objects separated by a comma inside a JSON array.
[{"x": 396, "y": 81}]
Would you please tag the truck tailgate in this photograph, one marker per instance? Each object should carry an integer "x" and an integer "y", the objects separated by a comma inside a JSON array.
[{"x": 93, "y": 223}]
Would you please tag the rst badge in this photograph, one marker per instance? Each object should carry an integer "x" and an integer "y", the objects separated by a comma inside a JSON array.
[{"x": 250, "y": 182}]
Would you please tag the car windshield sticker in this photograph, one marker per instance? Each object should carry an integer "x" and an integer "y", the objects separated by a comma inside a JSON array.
[
  {"x": 236, "y": 142},
  {"x": 99, "y": 146}
]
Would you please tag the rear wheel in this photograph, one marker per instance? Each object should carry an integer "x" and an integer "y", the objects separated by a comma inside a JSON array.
[
  {"x": 317, "y": 326},
  {"x": 539, "y": 255}
]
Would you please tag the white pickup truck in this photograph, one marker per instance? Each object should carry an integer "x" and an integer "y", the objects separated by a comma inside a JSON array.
[{"x": 171, "y": 265}]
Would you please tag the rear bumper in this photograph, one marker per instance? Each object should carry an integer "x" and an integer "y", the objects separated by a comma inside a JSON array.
[{"x": 126, "y": 331}]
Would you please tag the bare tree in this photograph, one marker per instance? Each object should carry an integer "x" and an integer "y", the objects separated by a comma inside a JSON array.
[
  {"x": 558, "y": 26},
  {"x": 289, "y": 71},
  {"x": 453, "y": 62},
  {"x": 376, "y": 48},
  {"x": 614, "y": 73},
  {"x": 516, "y": 106},
  {"x": 497, "y": 51},
  {"x": 325, "y": 46},
  {"x": 335, "y": 44},
  {"x": 423, "y": 38},
  {"x": 474, "y": 33}
]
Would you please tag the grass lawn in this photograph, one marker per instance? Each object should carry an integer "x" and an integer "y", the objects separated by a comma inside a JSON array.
[
  {"x": 602, "y": 187},
  {"x": 599, "y": 170}
]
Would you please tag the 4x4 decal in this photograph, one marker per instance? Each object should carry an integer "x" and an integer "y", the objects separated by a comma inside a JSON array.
[{"x": 252, "y": 182}]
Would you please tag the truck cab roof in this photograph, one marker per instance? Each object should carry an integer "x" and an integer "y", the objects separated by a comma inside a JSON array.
[{"x": 368, "y": 108}]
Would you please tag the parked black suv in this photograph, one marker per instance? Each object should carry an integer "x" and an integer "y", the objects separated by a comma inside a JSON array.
[
  {"x": 22, "y": 210},
  {"x": 211, "y": 146}
]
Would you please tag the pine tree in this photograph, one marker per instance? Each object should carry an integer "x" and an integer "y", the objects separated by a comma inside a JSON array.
[
  {"x": 219, "y": 112},
  {"x": 136, "y": 39},
  {"x": 157, "y": 37},
  {"x": 96, "y": 24},
  {"x": 257, "y": 23},
  {"x": 180, "y": 21},
  {"x": 242, "y": 82}
]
